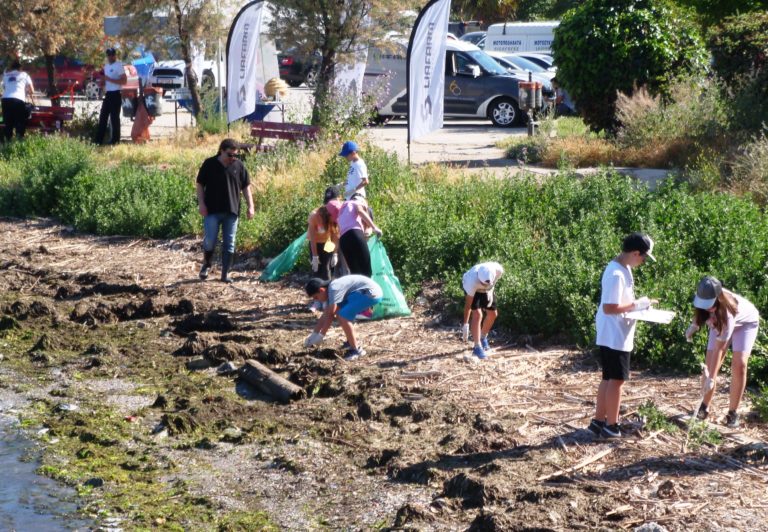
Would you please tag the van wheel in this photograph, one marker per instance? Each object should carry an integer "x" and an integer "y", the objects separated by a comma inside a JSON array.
[
  {"x": 504, "y": 112},
  {"x": 92, "y": 90}
]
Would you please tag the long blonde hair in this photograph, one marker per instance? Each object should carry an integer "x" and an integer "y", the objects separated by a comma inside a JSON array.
[{"x": 724, "y": 304}]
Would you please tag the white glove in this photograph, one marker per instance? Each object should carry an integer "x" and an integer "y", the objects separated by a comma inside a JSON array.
[
  {"x": 315, "y": 263},
  {"x": 313, "y": 339},
  {"x": 334, "y": 260},
  {"x": 690, "y": 331},
  {"x": 642, "y": 303},
  {"x": 465, "y": 332},
  {"x": 490, "y": 297}
]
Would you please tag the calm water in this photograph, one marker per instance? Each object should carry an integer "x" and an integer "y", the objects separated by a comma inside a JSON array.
[{"x": 29, "y": 502}]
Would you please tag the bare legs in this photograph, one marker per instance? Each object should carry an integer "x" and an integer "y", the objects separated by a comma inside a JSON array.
[{"x": 609, "y": 401}]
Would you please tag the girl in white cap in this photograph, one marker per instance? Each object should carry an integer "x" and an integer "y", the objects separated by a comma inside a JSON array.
[
  {"x": 478, "y": 285},
  {"x": 732, "y": 320}
]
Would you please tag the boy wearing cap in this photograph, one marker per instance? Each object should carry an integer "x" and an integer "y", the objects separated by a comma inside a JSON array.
[
  {"x": 734, "y": 321},
  {"x": 615, "y": 332},
  {"x": 357, "y": 176},
  {"x": 478, "y": 284},
  {"x": 114, "y": 78},
  {"x": 345, "y": 298}
]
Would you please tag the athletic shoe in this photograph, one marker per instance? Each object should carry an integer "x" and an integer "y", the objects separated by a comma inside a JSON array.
[
  {"x": 596, "y": 426},
  {"x": 479, "y": 352},
  {"x": 205, "y": 271},
  {"x": 611, "y": 432},
  {"x": 365, "y": 315},
  {"x": 345, "y": 345},
  {"x": 484, "y": 343},
  {"x": 732, "y": 419},
  {"x": 354, "y": 354},
  {"x": 703, "y": 412}
]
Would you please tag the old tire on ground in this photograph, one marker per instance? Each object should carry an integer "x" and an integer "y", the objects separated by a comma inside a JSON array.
[
  {"x": 504, "y": 112},
  {"x": 311, "y": 79},
  {"x": 294, "y": 83}
]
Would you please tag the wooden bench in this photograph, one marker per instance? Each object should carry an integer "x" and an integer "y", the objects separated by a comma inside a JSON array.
[
  {"x": 284, "y": 131},
  {"x": 48, "y": 119}
]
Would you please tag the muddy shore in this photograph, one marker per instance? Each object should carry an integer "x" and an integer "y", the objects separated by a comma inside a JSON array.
[{"x": 116, "y": 348}]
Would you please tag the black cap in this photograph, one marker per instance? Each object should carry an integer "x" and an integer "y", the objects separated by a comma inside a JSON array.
[
  {"x": 638, "y": 242},
  {"x": 111, "y": 51},
  {"x": 314, "y": 285}
]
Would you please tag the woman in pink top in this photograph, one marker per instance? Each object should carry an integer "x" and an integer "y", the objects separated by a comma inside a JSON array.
[
  {"x": 732, "y": 320},
  {"x": 354, "y": 222}
]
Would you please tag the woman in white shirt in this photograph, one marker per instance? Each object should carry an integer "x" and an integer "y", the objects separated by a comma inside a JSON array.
[
  {"x": 17, "y": 85},
  {"x": 732, "y": 320}
]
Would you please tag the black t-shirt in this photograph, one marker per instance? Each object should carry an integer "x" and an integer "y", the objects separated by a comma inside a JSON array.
[{"x": 222, "y": 185}]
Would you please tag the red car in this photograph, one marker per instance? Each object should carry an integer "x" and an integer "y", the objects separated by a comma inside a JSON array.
[{"x": 73, "y": 73}]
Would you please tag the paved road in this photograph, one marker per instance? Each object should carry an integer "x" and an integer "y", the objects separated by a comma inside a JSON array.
[{"x": 463, "y": 143}]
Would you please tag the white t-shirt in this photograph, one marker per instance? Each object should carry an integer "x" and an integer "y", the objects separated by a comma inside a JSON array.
[
  {"x": 113, "y": 70},
  {"x": 15, "y": 84},
  {"x": 357, "y": 172},
  {"x": 617, "y": 288},
  {"x": 471, "y": 282}
]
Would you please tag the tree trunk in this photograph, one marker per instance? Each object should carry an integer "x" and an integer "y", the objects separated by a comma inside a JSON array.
[
  {"x": 269, "y": 382},
  {"x": 51, "y": 71},
  {"x": 320, "y": 111},
  {"x": 189, "y": 72}
]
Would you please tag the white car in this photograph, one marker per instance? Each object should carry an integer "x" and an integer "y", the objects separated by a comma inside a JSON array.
[
  {"x": 521, "y": 66},
  {"x": 170, "y": 74}
]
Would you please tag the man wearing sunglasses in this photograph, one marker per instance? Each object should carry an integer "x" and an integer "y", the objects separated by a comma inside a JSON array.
[{"x": 220, "y": 181}]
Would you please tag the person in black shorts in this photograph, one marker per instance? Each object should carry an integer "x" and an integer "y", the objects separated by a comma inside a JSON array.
[
  {"x": 615, "y": 332},
  {"x": 480, "y": 303}
]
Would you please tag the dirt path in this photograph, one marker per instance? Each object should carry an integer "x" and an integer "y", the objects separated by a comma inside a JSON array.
[{"x": 97, "y": 333}]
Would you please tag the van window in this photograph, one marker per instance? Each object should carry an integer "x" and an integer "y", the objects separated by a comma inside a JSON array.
[
  {"x": 449, "y": 63},
  {"x": 486, "y": 62}
]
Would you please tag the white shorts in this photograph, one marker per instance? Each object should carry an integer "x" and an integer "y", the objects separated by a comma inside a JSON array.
[{"x": 741, "y": 341}]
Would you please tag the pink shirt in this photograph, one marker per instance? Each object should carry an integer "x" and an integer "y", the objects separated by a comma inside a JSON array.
[{"x": 349, "y": 217}]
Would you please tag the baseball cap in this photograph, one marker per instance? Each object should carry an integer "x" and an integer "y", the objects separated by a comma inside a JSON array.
[
  {"x": 707, "y": 292},
  {"x": 348, "y": 148},
  {"x": 314, "y": 285},
  {"x": 639, "y": 242},
  {"x": 484, "y": 274},
  {"x": 331, "y": 193},
  {"x": 111, "y": 51}
]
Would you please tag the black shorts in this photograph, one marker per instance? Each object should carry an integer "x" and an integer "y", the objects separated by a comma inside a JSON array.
[
  {"x": 615, "y": 363},
  {"x": 480, "y": 301}
]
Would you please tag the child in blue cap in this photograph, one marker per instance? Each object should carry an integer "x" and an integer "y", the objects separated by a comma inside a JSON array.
[{"x": 357, "y": 176}]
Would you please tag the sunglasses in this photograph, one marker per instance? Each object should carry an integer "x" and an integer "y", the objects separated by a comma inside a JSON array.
[{"x": 231, "y": 154}]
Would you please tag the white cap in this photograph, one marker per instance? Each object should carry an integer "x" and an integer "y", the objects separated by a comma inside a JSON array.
[{"x": 485, "y": 274}]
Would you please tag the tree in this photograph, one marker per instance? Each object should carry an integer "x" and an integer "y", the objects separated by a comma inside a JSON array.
[
  {"x": 487, "y": 11},
  {"x": 604, "y": 47},
  {"x": 713, "y": 11},
  {"x": 337, "y": 30},
  {"x": 192, "y": 22},
  {"x": 46, "y": 27}
]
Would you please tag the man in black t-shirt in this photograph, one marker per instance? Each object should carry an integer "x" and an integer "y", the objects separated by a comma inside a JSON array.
[{"x": 220, "y": 181}]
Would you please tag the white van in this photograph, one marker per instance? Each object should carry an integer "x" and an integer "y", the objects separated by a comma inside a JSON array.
[{"x": 521, "y": 37}]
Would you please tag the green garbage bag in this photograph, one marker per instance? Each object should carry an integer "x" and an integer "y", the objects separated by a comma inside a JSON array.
[
  {"x": 393, "y": 302},
  {"x": 285, "y": 261}
]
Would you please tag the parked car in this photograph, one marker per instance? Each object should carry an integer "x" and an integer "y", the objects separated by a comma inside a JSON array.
[
  {"x": 296, "y": 68},
  {"x": 69, "y": 73},
  {"x": 520, "y": 67},
  {"x": 476, "y": 86},
  {"x": 473, "y": 37},
  {"x": 545, "y": 61}
]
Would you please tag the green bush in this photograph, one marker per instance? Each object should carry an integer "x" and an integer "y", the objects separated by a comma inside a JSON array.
[
  {"x": 740, "y": 46},
  {"x": 44, "y": 165},
  {"x": 127, "y": 200},
  {"x": 607, "y": 46}
]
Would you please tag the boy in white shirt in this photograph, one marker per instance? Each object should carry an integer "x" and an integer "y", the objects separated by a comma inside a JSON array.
[
  {"x": 17, "y": 86},
  {"x": 616, "y": 333},
  {"x": 478, "y": 284},
  {"x": 357, "y": 176}
]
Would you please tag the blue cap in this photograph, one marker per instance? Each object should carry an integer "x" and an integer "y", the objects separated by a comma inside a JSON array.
[{"x": 348, "y": 148}]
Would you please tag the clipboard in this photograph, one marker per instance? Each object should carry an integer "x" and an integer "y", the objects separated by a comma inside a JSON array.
[{"x": 652, "y": 315}]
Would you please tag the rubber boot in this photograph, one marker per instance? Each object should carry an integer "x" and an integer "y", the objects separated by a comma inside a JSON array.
[
  {"x": 206, "y": 269},
  {"x": 226, "y": 262}
]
